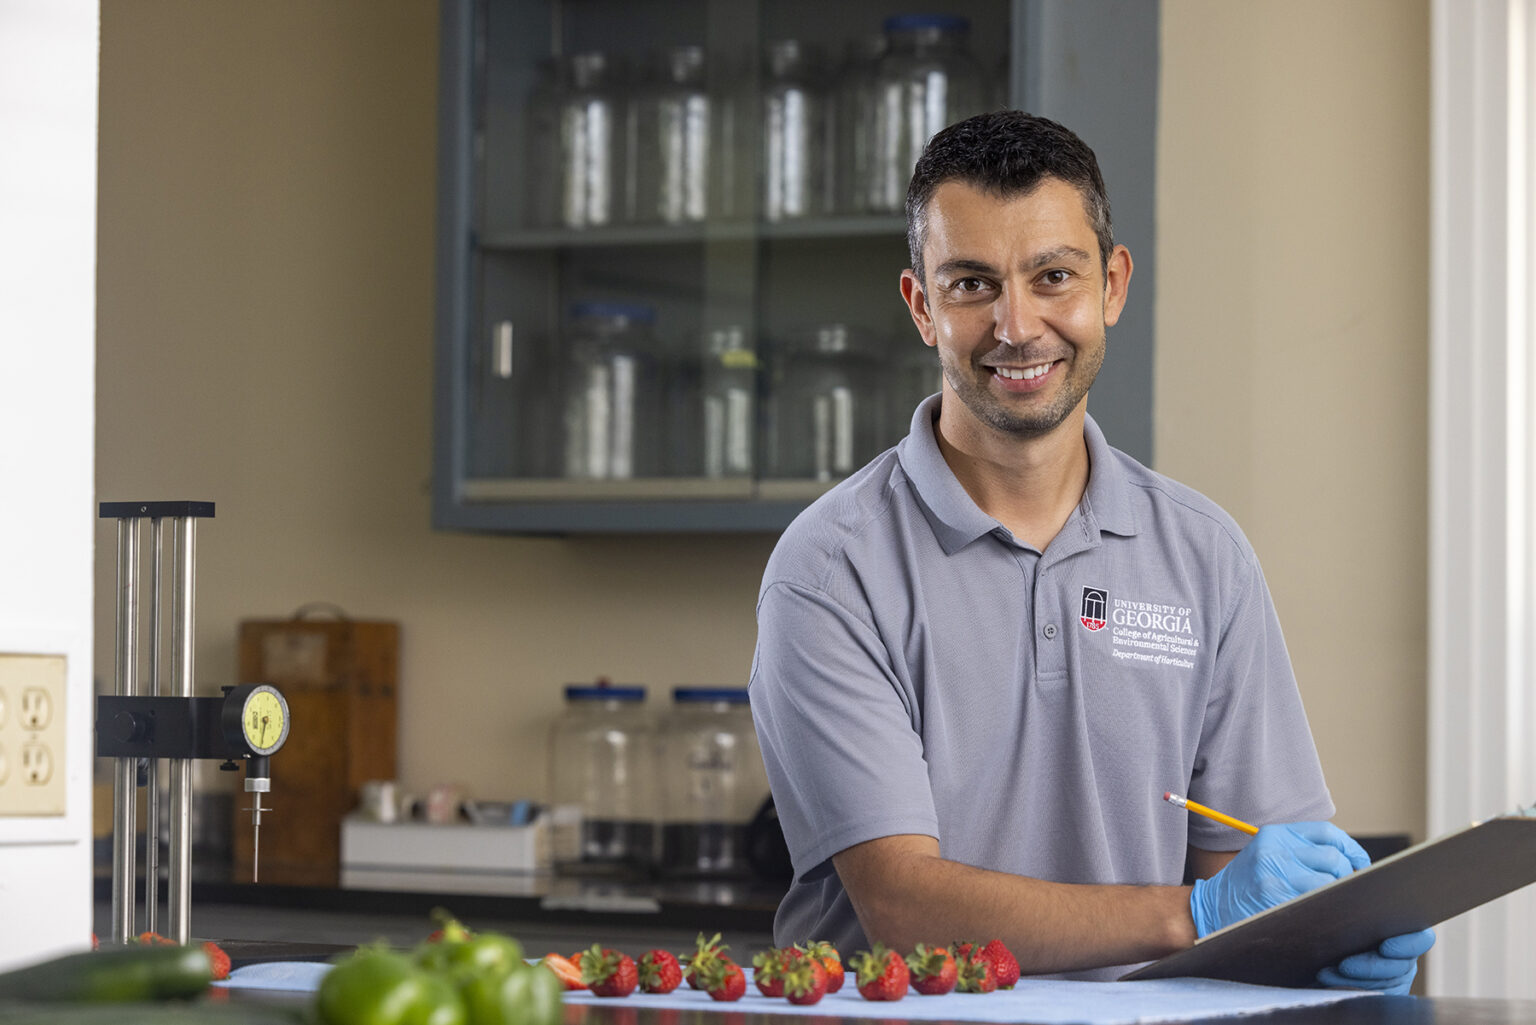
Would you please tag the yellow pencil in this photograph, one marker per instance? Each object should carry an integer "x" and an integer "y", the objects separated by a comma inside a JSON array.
[{"x": 1210, "y": 813}]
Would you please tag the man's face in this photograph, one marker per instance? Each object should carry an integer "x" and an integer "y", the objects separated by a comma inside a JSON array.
[{"x": 1016, "y": 303}]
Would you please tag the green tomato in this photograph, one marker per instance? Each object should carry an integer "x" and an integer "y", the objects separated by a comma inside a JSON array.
[
  {"x": 496, "y": 999},
  {"x": 371, "y": 987},
  {"x": 489, "y": 952},
  {"x": 439, "y": 1004},
  {"x": 545, "y": 996},
  {"x": 526, "y": 995}
]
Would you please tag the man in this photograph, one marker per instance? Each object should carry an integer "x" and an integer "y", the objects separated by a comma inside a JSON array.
[{"x": 984, "y": 657}]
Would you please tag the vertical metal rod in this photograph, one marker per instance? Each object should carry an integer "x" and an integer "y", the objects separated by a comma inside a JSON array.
[
  {"x": 152, "y": 812},
  {"x": 183, "y": 637},
  {"x": 125, "y": 782}
]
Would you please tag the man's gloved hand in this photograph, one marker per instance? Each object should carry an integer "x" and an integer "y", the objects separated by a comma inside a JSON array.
[
  {"x": 1390, "y": 968},
  {"x": 1282, "y": 862},
  {"x": 1286, "y": 861}
]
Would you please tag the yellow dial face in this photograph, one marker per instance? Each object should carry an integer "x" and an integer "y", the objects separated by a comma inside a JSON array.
[{"x": 264, "y": 721}]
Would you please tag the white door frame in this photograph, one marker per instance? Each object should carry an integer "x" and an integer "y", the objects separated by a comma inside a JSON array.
[{"x": 1482, "y": 659}]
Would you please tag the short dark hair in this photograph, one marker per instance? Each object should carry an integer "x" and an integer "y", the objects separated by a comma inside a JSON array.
[{"x": 1007, "y": 152}]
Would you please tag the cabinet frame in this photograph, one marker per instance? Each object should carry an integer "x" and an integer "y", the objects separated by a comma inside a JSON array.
[{"x": 1091, "y": 64}]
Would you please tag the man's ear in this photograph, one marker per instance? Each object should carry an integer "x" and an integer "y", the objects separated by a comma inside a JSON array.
[
  {"x": 1117, "y": 281},
  {"x": 917, "y": 304}
]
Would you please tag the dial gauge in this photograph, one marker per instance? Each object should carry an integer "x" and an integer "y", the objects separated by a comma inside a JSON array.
[{"x": 256, "y": 716}]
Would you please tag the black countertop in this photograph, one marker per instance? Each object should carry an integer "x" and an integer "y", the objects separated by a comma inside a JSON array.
[{"x": 561, "y": 914}]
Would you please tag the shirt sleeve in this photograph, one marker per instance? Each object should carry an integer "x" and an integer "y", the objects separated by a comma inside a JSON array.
[
  {"x": 844, "y": 760},
  {"x": 1257, "y": 759}
]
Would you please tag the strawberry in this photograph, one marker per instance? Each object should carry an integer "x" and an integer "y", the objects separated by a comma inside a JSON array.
[
  {"x": 933, "y": 970},
  {"x": 805, "y": 979},
  {"x": 1003, "y": 962},
  {"x": 881, "y": 973},
  {"x": 830, "y": 959},
  {"x": 976, "y": 974},
  {"x": 608, "y": 972},
  {"x": 154, "y": 939},
  {"x": 660, "y": 972},
  {"x": 722, "y": 979},
  {"x": 217, "y": 959},
  {"x": 768, "y": 970},
  {"x": 568, "y": 974},
  {"x": 707, "y": 953}
]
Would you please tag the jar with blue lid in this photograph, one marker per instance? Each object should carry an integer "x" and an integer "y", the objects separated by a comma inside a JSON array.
[
  {"x": 713, "y": 782},
  {"x": 926, "y": 80},
  {"x": 603, "y": 802}
]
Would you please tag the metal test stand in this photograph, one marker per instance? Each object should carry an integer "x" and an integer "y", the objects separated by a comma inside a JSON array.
[{"x": 136, "y": 729}]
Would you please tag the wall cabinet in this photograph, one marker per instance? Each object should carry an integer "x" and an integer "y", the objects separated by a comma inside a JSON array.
[{"x": 669, "y": 239}]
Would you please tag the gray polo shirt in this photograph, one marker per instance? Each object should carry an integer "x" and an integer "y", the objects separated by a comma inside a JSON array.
[{"x": 920, "y": 671}]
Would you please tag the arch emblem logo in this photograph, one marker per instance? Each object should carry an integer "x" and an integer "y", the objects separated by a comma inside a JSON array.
[{"x": 1095, "y": 614}]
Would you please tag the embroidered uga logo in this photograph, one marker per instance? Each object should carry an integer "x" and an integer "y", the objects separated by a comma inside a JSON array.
[{"x": 1095, "y": 608}]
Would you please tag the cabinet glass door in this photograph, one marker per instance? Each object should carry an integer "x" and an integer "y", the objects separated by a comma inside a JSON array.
[{"x": 672, "y": 234}]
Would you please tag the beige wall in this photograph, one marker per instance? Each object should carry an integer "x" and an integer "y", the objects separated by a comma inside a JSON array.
[
  {"x": 265, "y": 322},
  {"x": 1292, "y": 344},
  {"x": 265, "y": 326}
]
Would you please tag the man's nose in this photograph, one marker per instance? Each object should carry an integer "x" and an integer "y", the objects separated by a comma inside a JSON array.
[{"x": 1016, "y": 317}]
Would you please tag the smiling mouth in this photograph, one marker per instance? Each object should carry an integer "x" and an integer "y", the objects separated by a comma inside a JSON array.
[{"x": 1028, "y": 373}]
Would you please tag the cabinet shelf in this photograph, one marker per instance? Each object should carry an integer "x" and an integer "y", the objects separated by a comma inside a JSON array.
[
  {"x": 651, "y": 489},
  {"x": 693, "y": 234}
]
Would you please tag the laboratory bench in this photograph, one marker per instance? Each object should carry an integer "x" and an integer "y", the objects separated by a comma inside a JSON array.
[
  {"x": 1368, "y": 1010},
  {"x": 270, "y": 923}
]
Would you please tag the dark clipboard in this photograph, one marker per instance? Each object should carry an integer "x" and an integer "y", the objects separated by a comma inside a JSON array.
[{"x": 1288, "y": 944}]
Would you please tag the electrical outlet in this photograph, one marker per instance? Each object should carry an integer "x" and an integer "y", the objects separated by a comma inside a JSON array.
[
  {"x": 36, "y": 708},
  {"x": 36, "y": 765},
  {"x": 32, "y": 776}
]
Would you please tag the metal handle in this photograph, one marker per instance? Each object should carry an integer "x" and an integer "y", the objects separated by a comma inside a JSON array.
[{"x": 501, "y": 350}]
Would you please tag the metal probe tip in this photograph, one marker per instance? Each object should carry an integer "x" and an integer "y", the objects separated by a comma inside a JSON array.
[{"x": 256, "y": 839}]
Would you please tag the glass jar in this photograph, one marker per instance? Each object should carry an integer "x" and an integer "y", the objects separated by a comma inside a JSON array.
[
  {"x": 713, "y": 782},
  {"x": 591, "y": 164},
  {"x": 926, "y": 80},
  {"x": 602, "y": 782},
  {"x": 854, "y": 107},
  {"x": 729, "y": 399},
  {"x": 673, "y": 123},
  {"x": 795, "y": 173},
  {"x": 825, "y": 413},
  {"x": 915, "y": 375},
  {"x": 611, "y": 393}
]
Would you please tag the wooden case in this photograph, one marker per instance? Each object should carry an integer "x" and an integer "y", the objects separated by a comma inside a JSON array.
[{"x": 339, "y": 677}]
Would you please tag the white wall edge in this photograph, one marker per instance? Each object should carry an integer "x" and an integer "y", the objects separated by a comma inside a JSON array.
[{"x": 1482, "y": 591}]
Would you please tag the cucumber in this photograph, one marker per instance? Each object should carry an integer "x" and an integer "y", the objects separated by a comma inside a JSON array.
[{"x": 116, "y": 974}]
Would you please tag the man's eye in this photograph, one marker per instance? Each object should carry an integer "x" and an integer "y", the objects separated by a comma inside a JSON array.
[
  {"x": 1056, "y": 277},
  {"x": 968, "y": 285}
]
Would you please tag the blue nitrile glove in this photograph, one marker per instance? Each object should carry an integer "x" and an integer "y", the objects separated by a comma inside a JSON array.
[
  {"x": 1282, "y": 862},
  {"x": 1390, "y": 968}
]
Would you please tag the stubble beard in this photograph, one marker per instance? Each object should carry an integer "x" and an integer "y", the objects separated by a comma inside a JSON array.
[{"x": 971, "y": 383}]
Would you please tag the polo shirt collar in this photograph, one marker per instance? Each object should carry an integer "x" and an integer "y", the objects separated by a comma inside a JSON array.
[{"x": 957, "y": 520}]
